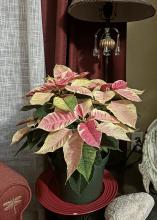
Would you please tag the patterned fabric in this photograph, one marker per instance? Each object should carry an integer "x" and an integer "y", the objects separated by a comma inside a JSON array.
[{"x": 21, "y": 68}]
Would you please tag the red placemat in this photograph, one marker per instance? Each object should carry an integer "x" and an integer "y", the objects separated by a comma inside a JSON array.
[{"x": 53, "y": 203}]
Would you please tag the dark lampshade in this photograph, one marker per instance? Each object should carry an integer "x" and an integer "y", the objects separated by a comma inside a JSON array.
[{"x": 122, "y": 10}]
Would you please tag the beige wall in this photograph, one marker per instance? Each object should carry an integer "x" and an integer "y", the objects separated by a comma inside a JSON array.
[{"x": 142, "y": 65}]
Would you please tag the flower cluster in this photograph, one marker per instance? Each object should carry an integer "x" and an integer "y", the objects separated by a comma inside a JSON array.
[{"x": 73, "y": 112}]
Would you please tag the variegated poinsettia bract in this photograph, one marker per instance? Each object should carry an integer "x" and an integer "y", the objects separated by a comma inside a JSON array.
[{"x": 73, "y": 112}]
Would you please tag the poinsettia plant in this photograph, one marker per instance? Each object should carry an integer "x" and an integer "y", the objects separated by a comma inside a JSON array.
[{"x": 79, "y": 115}]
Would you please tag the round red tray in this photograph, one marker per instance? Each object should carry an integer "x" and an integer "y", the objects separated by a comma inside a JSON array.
[{"x": 53, "y": 203}]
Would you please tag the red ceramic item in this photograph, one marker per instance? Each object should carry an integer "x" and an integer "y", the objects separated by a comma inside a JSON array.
[{"x": 53, "y": 203}]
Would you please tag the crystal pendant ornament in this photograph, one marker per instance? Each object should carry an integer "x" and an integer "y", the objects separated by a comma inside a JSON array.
[
  {"x": 117, "y": 49},
  {"x": 96, "y": 51}
]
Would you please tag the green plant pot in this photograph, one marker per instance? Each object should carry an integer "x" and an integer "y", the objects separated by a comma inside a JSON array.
[{"x": 77, "y": 190}]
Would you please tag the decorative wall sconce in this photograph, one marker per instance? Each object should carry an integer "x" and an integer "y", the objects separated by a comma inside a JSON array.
[{"x": 109, "y": 11}]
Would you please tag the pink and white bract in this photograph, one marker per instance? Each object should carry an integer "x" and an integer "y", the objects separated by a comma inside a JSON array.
[{"x": 76, "y": 111}]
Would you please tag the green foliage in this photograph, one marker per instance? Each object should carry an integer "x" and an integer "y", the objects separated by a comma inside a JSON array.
[
  {"x": 42, "y": 111},
  {"x": 29, "y": 107},
  {"x": 109, "y": 143},
  {"x": 86, "y": 163},
  {"x": 77, "y": 182},
  {"x": 98, "y": 159},
  {"x": 71, "y": 101},
  {"x": 34, "y": 139},
  {"x": 74, "y": 125},
  {"x": 67, "y": 103}
]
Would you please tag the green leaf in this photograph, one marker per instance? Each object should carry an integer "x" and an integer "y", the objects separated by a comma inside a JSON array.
[
  {"x": 36, "y": 144},
  {"x": 105, "y": 149},
  {"x": 67, "y": 104},
  {"x": 86, "y": 163},
  {"x": 98, "y": 159},
  {"x": 71, "y": 101},
  {"x": 77, "y": 182},
  {"x": 109, "y": 143},
  {"x": 36, "y": 138},
  {"x": 42, "y": 111},
  {"x": 29, "y": 107}
]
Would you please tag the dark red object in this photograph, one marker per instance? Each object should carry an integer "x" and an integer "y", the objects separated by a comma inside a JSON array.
[
  {"x": 53, "y": 203},
  {"x": 15, "y": 194}
]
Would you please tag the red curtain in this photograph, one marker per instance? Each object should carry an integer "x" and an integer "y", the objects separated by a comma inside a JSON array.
[{"x": 70, "y": 42}]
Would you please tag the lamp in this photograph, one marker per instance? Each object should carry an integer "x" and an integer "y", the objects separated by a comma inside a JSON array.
[
  {"x": 109, "y": 11},
  {"x": 121, "y": 11}
]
